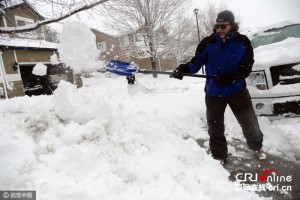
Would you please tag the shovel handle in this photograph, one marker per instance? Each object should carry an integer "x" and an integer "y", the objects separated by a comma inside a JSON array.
[{"x": 170, "y": 73}]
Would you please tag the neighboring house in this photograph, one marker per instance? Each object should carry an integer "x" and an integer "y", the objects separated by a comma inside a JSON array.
[
  {"x": 119, "y": 46},
  {"x": 20, "y": 52}
]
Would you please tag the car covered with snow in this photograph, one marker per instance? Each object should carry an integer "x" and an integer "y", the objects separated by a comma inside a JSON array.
[{"x": 274, "y": 82}]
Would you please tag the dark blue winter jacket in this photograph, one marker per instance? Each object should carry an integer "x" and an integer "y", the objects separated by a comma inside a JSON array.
[{"x": 235, "y": 56}]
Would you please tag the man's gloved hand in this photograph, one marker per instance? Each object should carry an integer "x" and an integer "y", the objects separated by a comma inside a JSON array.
[
  {"x": 179, "y": 71},
  {"x": 231, "y": 78},
  {"x": 226, "y": 79},
  {"x": 130, "y": 79}
]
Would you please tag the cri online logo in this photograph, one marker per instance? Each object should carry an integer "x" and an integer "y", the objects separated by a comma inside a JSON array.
[
  {"x": 269, "y": 175},
  {"x": 263, "y": 177}
]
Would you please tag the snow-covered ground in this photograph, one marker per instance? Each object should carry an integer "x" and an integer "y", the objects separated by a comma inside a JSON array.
[{"x": 111, "y": 140}]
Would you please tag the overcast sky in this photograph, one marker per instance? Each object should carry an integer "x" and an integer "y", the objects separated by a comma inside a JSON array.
[{"x": 251, "y": 13}]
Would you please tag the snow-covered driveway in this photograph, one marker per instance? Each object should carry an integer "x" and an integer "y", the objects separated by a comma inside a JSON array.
[{"x": 110, "y": 140}]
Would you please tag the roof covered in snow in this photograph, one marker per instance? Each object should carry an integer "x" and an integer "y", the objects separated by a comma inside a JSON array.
[
  {"x": 7, "y": 42},
  {"x": 113, "y": 33}
]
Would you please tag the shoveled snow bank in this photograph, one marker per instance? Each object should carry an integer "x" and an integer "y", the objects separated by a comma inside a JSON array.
[{"x": 111, "y": 141}]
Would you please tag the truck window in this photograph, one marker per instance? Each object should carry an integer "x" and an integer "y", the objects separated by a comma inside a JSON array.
[{"x": 276, "y": 35}]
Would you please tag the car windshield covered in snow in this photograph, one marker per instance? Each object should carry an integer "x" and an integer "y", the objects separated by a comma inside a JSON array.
[{"x": 276, "y": 35}]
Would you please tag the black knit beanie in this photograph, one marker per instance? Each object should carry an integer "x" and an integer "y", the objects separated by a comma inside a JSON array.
[{"x": 225, "y": 16}]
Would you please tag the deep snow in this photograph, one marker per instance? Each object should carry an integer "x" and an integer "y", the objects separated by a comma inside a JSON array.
[{"x": 111, "y": 140}]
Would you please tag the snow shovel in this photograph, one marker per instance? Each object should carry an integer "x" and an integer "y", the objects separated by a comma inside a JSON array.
[{"x": 129, "y": 70}]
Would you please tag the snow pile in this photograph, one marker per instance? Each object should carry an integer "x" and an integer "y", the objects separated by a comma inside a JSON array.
[
  {"x": 39, "y": 69},
  {"x": 107, "y": 142},
  {"x": 282, "y": 137},
  {"x": 69, "y": 105},
  {"x": 296, "y": 67},
  {"x": 78, "y": 46}
]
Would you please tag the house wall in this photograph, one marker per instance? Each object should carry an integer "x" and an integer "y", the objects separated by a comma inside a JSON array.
[
  {"x": 110, "y": 41},
  {"x": 15, "y": 85},
  {"x": 13, "y": 77},
  {"x": 23, "y": 56},
  {"x": 122, "y": 53},
  {"x": 16, "y": 90},
  {"x": 8, "y": 61},
  {"x": 34, "y": 55},
  {"x": 2, "y": 92},
  {"x": 162, "y": 64}
]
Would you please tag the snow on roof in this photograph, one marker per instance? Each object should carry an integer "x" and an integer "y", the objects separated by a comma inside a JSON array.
[
  {"x": 113, "y": 33},
  {"x": 109, "y": 33},
  {"x": 26, "y": 43}
]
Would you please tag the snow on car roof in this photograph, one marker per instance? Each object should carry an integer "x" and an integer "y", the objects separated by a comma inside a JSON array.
[
  {"x": 257, "y": 30},
  {"x": 280, "y": 53}
]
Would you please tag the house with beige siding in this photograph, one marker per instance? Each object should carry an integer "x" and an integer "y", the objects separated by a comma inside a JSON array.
[
  {"x": 119, "y": 46},
  {"x": 20, "y": 52}
]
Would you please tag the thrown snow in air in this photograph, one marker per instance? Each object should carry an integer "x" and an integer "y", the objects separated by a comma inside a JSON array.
[
  {"x": 78, "y": 46},
  {"x": 39, "y": 69}
]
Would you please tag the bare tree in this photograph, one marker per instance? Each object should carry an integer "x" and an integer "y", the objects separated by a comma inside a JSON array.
[
  {"x": 51, "y": 35},
  {"x": 59, "y": 10},
  {"x": 208, "y": 18},
  {"x": 147, "y": 17},
  {"x": 184, "y": 39}
]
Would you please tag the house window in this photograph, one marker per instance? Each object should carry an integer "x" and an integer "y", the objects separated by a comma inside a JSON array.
[
  {"x": 22, "y": 21},
  {"x": 124, "y": 41},
  {"x": 102, "y": 46}
]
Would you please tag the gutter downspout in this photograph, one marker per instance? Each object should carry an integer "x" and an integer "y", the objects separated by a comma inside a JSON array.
[{"x": 2, "y": 70}]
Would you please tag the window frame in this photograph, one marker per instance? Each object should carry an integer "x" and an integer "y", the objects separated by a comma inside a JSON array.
[
  {"x": 101, "y": 43},
  {"x": 27, "y": 21},
  {"x": 123, "y": 41}
]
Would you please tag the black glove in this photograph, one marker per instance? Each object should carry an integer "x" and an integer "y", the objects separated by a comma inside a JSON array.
[
  {"x": 130, "y": 79},
  {"x": 179, "y": 71},
  {"x": 226, "y": 79},
  {"x": 231, "y": 78}
]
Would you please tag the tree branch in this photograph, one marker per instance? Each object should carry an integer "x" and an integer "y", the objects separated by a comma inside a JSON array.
[{"x": 34, "y": 26}]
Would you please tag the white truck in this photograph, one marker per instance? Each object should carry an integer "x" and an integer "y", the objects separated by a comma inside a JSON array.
[{"x": 274, "y": 83}]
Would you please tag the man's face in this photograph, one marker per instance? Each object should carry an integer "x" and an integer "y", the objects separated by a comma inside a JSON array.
[{"x": 223, "y": 29}]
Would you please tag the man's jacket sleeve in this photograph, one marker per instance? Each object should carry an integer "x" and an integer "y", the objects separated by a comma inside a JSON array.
[
  {"x": 247, "y": 60},
  {"x": 199, "y": 59}
]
